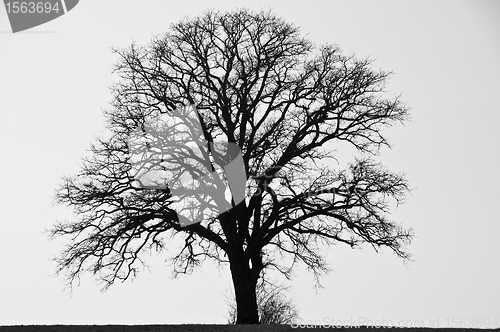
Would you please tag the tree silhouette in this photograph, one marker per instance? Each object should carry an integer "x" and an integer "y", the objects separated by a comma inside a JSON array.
[{"x": 287, "y": 105}]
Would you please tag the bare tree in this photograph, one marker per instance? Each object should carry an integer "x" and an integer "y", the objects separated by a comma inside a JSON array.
[{"x": 287, "y": 105}]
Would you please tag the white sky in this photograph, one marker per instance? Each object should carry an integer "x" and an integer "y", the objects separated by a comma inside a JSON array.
[{"x": 54, "y": 83}]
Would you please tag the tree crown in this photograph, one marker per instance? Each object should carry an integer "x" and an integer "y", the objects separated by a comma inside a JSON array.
[{"x": 257, "y": 83}]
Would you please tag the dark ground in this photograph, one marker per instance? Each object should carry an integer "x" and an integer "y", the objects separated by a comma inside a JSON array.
[{"x": 210, "y": 328}]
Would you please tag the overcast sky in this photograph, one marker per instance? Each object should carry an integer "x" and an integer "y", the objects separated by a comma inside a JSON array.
[{"x": 445, "y": 56}]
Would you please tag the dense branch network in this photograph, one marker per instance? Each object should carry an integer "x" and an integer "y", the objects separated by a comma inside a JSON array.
[{"x": 256, "y": 82}]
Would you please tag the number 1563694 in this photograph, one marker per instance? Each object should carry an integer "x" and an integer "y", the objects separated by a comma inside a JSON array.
[{"x": 15, "y": 7}]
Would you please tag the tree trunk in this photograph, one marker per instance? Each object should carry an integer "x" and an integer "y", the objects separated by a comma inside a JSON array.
[{"x": 244, "y": 282}]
